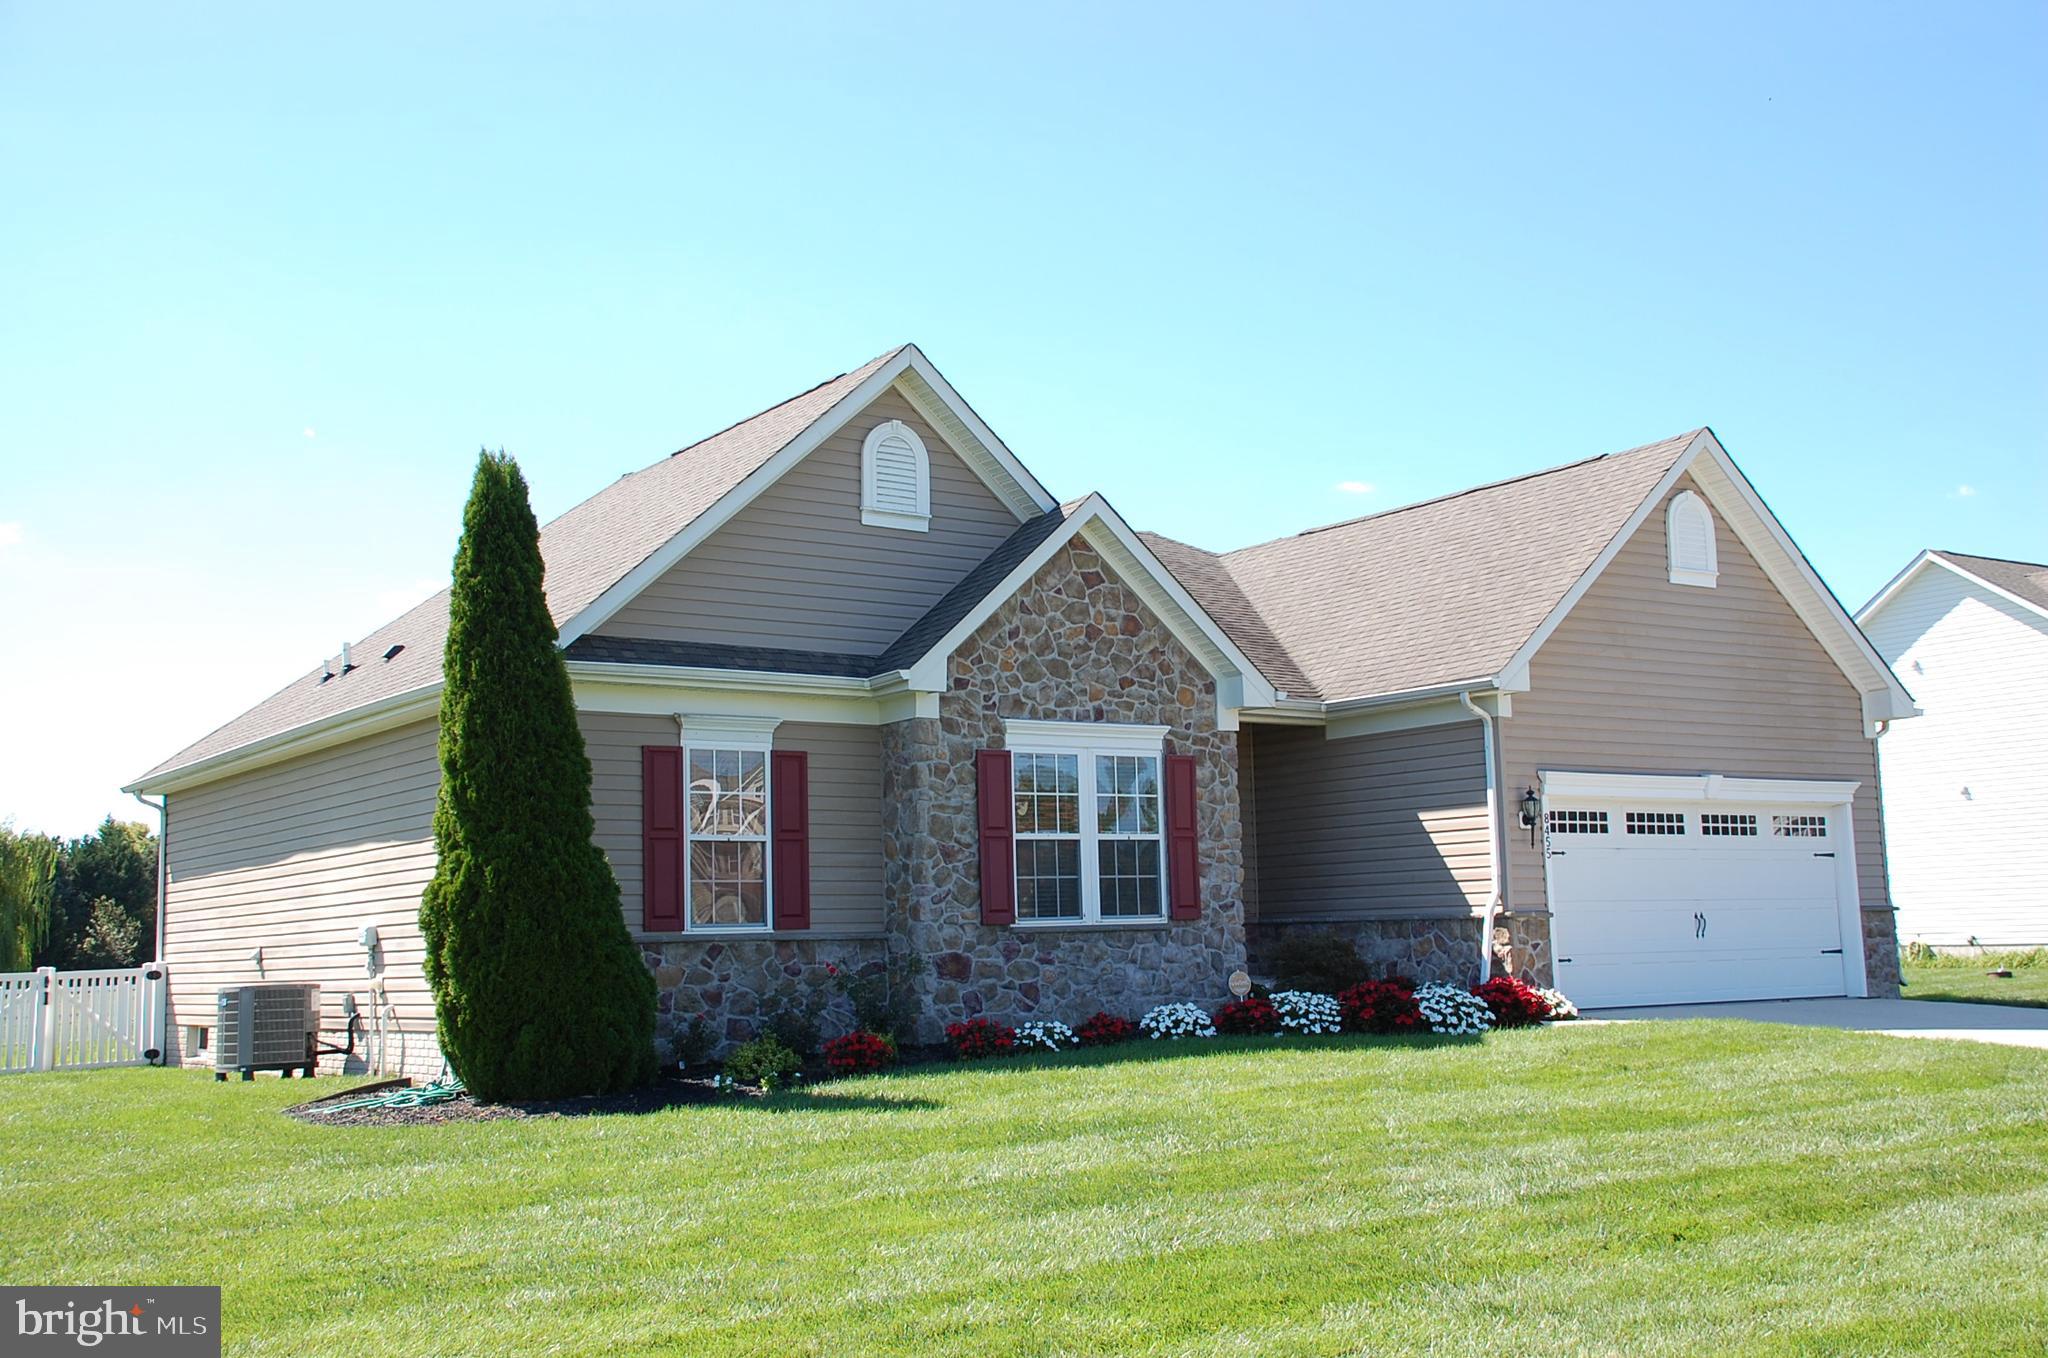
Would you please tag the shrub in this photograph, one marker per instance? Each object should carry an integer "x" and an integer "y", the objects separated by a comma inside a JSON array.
[
  {"x": 1047, "y": 1035},
  {"x": 1918, "y": 953},
  {"x": 794, "y": 1019},
  {"x": 1561, "y": 1009},
  {"x": 539, "y": 992},
  {"x": 1247, "y": 1017},
  {"x": 883, "y": 994},
  {"x": 1321, "y": 962},
  {"x": 1453, "y": 1011},
  {"x": 1512, "y": 1003},
  {"x": 860, "y": 1053},
  {"x": 1106, "y": 1030},
  {"x": 1306, "y": 1012},
  {"x": 1381, "y": 1007},
  {"x": 693, "y": 1043},
  {"x": 765, "y": 1062},
  {"x": 1176, "y": 1021},
  {"x": 979, "y": 1037}
]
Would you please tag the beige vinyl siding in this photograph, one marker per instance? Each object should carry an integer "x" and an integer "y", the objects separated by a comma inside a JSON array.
[
  {"x": 846, "y": 813},
  {"x": 1390, "y": 825},
  {"x": 293, "y": 859},
  {"x": 797, "y": 568},
  {"x": 1644, "y": 676}
]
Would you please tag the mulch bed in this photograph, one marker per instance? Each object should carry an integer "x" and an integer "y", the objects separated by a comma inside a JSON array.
[{"x": 672, "y": 1090}]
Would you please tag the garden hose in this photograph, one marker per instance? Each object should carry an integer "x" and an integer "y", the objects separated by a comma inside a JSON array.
[{"x": 444, "y": 1090}]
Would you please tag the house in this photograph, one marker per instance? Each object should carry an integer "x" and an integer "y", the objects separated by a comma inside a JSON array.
[
  {"x": 1963, "y": 784},
  {"x": 852, "y": 680}
]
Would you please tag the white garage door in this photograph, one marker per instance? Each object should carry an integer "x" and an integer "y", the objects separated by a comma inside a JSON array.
[{"x": 1656, "y": 900}]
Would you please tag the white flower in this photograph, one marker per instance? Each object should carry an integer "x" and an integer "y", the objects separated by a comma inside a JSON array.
[
  {"x": 1050, "y": 1034},
  {"x": 1176, "y": 1021},
  {"x": 1452, "y": 1010},
  {"x": 1304, "y": 1011},
  {"x": 1560, "y": 1007}
]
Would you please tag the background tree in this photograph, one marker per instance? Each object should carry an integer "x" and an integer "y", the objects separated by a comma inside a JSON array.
[
  {"x": 28, "y": 862},
  {"x": 538, "y": 989},
  {"x": 103, "y": 900}
]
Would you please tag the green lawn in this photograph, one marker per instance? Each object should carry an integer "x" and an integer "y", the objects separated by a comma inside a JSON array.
[
  {"x": 2027, "y": 985},
  {"x": 1630, "y": 1189}
]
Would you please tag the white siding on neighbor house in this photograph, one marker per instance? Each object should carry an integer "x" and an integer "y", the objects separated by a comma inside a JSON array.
[
  {"x": 1646, "y": 676},
  {"x": 1966, "y": 785},
  {"x": 1388, "y": 826},
  {"x": 846, "y": 813},
  {"x": 798, "y": 570},
  {"x": 293, "y": 859}
]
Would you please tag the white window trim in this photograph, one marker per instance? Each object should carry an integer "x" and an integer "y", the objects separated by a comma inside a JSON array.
[
  {"x": 1685, "y": 502},
  {"x": 871, "y": 513},
  {"x": 1065, "y": 737},
  {"x": 754, "y": 735},
  {"x": 1086, "y": 740}
]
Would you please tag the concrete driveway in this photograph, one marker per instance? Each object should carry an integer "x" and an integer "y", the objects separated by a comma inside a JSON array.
[{"x": 2008, "y": 1024}]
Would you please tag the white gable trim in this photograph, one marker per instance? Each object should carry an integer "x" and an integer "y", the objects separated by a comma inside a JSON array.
[
  {"x": 1750, "y": 519},
  {"x": 1931, "y": 558},
  {"x": 1238, "y": 681},
  {"x": 990, "y": 460}
]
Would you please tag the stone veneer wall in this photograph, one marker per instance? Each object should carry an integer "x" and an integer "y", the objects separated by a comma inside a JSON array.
[
  {"x": 1881, "y": 953},
  {"x": 734, "y": 982},
  {"x": 1425, "y": 949},
  {"x": 1073, "y": 645}
]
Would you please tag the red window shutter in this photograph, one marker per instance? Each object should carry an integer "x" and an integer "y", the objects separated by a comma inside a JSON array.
[
  {"x": 790, "y": 810},
  {"x": 661, "y": 838},
  {"x": 1183, "y": 840},
  {"x": 998, "y": 840}
]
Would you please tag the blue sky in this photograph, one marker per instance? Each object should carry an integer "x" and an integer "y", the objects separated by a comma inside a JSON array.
[{"x": 272, "y": 275}]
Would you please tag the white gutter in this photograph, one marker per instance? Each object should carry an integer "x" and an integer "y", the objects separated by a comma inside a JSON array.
[
  {"x": 1493, "y": 822},
  {"x": 163, "y": 847}
]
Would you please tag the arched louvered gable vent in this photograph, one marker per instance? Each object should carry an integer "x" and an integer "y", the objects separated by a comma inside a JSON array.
[
  {"x": 895, "y": 478},
  {"x": 1689, "y": 541}
]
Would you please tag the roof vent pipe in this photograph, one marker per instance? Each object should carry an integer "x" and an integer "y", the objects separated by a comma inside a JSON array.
[{"x": 346, "y": 663}]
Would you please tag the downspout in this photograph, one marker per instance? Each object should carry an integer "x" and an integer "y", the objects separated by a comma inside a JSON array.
[
  {"x": 1493, "y": 855},
  {"x": 163, "y": 840}
]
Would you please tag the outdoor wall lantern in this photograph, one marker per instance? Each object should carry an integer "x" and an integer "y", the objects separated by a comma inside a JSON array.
[{"x": 1532, "y": 809}]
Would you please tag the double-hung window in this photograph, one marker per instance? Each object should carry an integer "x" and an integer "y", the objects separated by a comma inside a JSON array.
[
  {"x": 727, "y": 786},
  {"x": 1089, "y": 820}
]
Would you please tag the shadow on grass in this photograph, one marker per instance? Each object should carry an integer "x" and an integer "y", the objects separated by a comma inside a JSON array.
[{"x": 860, "y": 1094}]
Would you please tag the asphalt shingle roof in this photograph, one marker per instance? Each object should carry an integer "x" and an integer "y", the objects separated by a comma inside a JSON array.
[
  {"x": 1429, "y": 594},
  {"x": 587, "y": 550},
  {"x": 2024, "y": 579},
  {"x": 1434, "y": 593}
]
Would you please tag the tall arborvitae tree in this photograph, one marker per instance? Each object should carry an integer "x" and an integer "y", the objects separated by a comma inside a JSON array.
[{"x": 539, "y": 989}]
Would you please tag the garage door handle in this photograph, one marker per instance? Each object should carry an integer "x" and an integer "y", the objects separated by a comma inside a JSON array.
[
  {"x": 1825, "y": 951},
  {"x": 1824, "y": 855}
]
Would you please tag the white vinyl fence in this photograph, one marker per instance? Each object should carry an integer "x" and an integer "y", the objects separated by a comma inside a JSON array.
[{"x": 81, "y": 1020}]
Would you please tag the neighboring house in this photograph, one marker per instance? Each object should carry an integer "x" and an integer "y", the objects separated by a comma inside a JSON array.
[
  {"x": 852, "y": 680},
  {"x": 1965, "y": 786}
]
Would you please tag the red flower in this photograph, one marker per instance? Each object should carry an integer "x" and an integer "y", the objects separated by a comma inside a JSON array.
[
  {"x": 979, "y": 1037},
  {"x": 859, "y": 1053},
  {"x": 1251, "y": 1015},
  {"x": 1106, "y": 1030},
  {"x": 1380, "y": 1007},
  {"x": 1514, "y": 1004}
]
